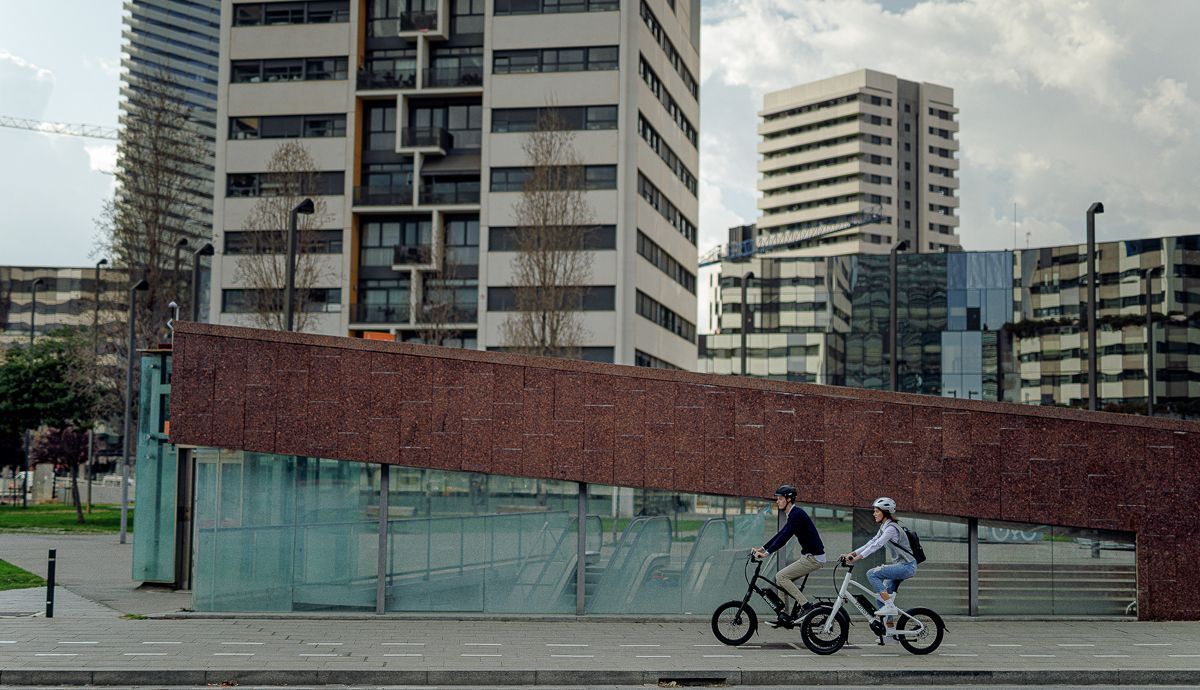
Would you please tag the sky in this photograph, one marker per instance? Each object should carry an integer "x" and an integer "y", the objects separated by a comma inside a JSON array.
[{"x": 1062, "y": 103}]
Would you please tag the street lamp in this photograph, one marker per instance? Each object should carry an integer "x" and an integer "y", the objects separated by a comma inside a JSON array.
[
  {"x": 206, "y": 250},
  {"x": 180, "y": 244},
  {"x": 133, "y": 290},
  {"x": 307, "y": 208},
  {"x": 747, "y": 316},
  {"x": 33, "y": 309},
  {"x": 1091, "y": 300},
  {"x": 1148, "y": 274},
  {"x": 892, "y": 320},
  {"x": 96, "y": 314}
]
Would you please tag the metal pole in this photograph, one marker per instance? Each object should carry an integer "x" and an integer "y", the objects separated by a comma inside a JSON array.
[
  {"x": 206, "y": 250},
  {"x": 581, "y": 552},
  {"x": 747, "y": 316},
  {"x": 893, "y": 325},
  {"x": 33, "y": 310},
  {"x": 1149, "y": 350},
  {"x": 90, "y": 460},
  {"x": 290, "y": 281},
  {"x": 1091, "y": 300},
  {"x": 132, "y": 344},
  {"x": 50, "y": 583},
  {"x": 382, "y": 560},
  {"x": 96, "y": 316},
  {"x": 25, "y": 474}
]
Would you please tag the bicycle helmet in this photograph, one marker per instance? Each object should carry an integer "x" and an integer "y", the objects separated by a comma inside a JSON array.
[
  {"x": 787, "y": 491},
  {"x": 885, "y": 504}
]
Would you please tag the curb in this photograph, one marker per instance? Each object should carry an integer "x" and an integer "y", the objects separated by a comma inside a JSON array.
[{"x": 473, "y": 678}]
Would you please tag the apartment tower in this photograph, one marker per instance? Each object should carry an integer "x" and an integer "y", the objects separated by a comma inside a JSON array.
[
  {"x": 861, "y": 142},
  {"x": 416, "y": 112}
]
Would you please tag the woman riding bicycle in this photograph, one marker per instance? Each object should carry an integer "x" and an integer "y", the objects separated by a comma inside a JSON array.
[{"x": 885, "y": 578}]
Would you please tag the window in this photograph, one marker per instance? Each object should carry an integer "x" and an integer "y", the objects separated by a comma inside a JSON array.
[
  {"x": 665, "y": 208},
  {"x": 272, "y": 242},
  {"x": 466, "y": 17},
  {"x": 309, "y": 69},
  {"x": 666, "y": 263},
  {"x": 278, "y": 13},
  {"x": 382, "y": 237},
  {"x": 505, "y": 7},
  {"x": 555, "y": 60},
  {"x": 251, "y": 301},
  {"x": 287, "y": 126},
  {"x": 379, "y": 120},
  {"x": 590, "y": 177},
  {"x": 592, "y": 117},
  {"x": 641, "y": 359},
  {"x": 267, "y": 184},
  {"x": 507, "y": 239},
  {"x": 650, "y": 309},
  {"x": 673, "y": 56},
  {"x": 664, "y": 152},
  {"x": 660, "y": 91},
  {"x": 591, "y": 298}
]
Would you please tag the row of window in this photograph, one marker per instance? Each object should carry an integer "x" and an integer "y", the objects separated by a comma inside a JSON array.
[
  {"x": 941, "y": 152},
  {"x": 825, "y": 124},
  {"x": 824, "y": 143},
  {"x": 941, "y": 210},
  {"x": 673, "y": 56},
  {"x": 589, "y": 177},
  {"x": 287, "y": 126},
  {"x": 271, "y": 184},
  {"x": 664, "y": 152},
  {"x": 938, "y": 189},
  {"x": 829, "y": 181},
  {"x": 663, "y": 205},
  {"x": 505, "y": 7},
  {"x": 584, "y": 117},
  {"x": 642, "y": 359},
  {"x": 829, "y": 201},
  {"x": 289, "y": 69},
  {"x": 941, "y": 114},
  {"x": 826, "y": 162},
  {"x": 508, "y": 239},
  {"x": 666, "y": 263},
  {"x": 830, "y": 103},
  {"x": 278, "y": 13},
  {"x": 650, "y": 309},
  {"x": 582, "y": 59},
  {"x": 273, "y": 242},
  {"x": 943, "y": 133},
  {"x": 941, "y": 228},
  {"x": 940, "y": 171},
  {"x": 266, "y": 300},
  {"x": 664, "y": 97},
  {"x": 831, "y": 220},
  {"x": 591, "y": 298}
]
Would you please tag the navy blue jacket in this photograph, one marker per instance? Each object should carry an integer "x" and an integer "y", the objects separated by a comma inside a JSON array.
[{"x": 800, "y": 526}]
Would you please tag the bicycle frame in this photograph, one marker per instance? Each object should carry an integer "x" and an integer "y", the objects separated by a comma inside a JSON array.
[
  {"x": 761, "y": 591},
  {"x": 845, "y": 597}
]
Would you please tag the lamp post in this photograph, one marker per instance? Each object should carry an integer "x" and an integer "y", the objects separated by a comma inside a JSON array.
[
  {"x": 180, "y": 244},
  {"x": 747, "y": 316},
  {"x": 893, "y": 325},
  {"x": 133, "y": 290},
  {"x": 205, "y": 250},
  {"x": 33, "y": 309},
  {"x": 96, "y": 315},
  {"x": 307, "y": 208},
  {"x": 1148, "y": 274},
  {"x": 1091, "y": 300}
]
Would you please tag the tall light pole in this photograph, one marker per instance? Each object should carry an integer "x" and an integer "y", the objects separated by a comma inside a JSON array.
[
  {"x": 1147, "y": 275},
  {"x": 307, "y": 208},
  {"x": 205, "y": 250},
  {"x": 1091, "y": 300},
  {"x": 96, "y": 315},
  {"x": 179, "y": 244},
  {"x": 893, "y": 325},
  {"x": 33, "y": 309},
  {"x": 747, "y": 315},
  {"x": 132, "y": 344}
]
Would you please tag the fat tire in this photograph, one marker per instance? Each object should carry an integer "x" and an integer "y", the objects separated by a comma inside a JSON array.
[
  {"x": 730, "y": 609},
  {"x": 814, "y": 620},
  {"x": 934, "y": 619}
]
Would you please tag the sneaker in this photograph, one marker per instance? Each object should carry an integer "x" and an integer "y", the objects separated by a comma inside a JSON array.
[
  {"x": 799, "y": 610},
  {"x": 888, "y": 608},
  {"x": 782, "y": 621}
]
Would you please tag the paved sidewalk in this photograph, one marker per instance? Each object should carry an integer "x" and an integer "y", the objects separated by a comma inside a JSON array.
[{"x": 88, "y": 642}]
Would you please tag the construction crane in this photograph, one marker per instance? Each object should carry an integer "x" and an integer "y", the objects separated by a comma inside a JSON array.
[
  {"x": 737, "y": 251},
  {"x": 90, "y": 131}
]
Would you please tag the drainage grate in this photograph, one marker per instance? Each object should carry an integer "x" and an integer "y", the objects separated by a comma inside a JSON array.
[{"x": 720, "y": 682}]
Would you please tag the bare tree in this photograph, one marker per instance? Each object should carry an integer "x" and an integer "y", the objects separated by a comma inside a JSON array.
[
  {"x": 291, "y": 177},
  {"x": 440, "y": 306},
  {"x": 553, "y": 219}
]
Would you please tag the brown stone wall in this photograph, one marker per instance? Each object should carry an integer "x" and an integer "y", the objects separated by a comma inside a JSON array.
[{"x": 421, "y": 406}]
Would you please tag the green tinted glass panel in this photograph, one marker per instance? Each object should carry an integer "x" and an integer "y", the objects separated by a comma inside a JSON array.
[{"x": 155, "y": 476}]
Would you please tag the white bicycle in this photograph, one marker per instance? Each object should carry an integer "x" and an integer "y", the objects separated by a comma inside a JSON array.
[{"x": 824, "y": 631}]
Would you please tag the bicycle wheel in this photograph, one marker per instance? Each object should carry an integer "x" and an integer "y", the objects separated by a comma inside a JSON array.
[
  {"x": 928, "y": 639},
  {"x": 816, "y": 639},
  {"x": 734, "y": 623}
]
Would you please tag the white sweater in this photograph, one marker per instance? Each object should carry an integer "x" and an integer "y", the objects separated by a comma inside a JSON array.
[{"x": 889, "y": 535}]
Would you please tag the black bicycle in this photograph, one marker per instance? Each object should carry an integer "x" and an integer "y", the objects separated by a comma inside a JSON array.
[{"x": 735, "y": 622}]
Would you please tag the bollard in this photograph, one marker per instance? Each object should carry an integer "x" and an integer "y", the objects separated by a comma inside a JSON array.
[{"x": 50, "y": 584}]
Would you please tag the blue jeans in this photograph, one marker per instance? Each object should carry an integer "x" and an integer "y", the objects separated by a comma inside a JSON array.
[{"x": 884, "y": 578}]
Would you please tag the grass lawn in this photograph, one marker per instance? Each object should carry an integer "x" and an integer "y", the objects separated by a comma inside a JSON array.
[
  {"x": 56, "y": 517},
  {"x": 12, "y": 577}
]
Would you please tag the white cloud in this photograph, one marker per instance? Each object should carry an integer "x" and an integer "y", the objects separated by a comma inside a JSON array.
[
  {"x": 105, "y": 66},
  {"x": 26, "y": 88},
  {"x": 38, "y": 73},
  {"x": 102, "y": 157},
  {"x": 1165, "y": 112}
]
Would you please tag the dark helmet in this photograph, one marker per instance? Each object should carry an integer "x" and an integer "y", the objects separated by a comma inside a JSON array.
[{"x": 787, "y": 491}]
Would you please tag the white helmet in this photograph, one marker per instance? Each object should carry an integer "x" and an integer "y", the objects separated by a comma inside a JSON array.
[{"x": 885, "y": 504}]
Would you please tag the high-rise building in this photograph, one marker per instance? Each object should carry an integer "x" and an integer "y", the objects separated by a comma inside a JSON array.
[
  {"x": 66, "y": 298},
  {"x": 416, "y": 113},
  {"x": 179, "y": 39},
  {"x": 861, "y": 142}
]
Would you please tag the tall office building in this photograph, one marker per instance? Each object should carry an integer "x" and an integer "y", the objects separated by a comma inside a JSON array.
[
  {"x": 178, "y": 38},
  {"x": 66, "y": 298},
  {"x": 861, "y": 142},
  {"x": 416, "y": 113}
]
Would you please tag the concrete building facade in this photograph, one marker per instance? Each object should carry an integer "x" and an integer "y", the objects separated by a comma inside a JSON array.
[
  {"x": 67, "y": 297},
  {"x": 416, "y": 112}
]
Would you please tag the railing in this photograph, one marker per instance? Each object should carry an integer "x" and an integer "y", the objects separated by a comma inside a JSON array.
[
  {"x": 433, "y": 314},
  {"x": 433, "y": 194},
  {"x": 380, "y": 313},
  {"x": 419, "y": 21},
  {"x": 401, "y": 79},
  {"x": 383, "y": 196},
  {"x": 425, "y": 137},
  {"x": 412, "y": 255},
  {"x": 454, "y": 76}
]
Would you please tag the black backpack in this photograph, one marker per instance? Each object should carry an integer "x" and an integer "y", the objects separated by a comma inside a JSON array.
[{"x": 914, "y": 541}]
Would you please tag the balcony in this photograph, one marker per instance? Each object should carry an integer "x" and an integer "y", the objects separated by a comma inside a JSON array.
[
  {"x": 463, "y": 75},
  {"x": 383, "y": 196},
  {"x": 410, "y": 256},
  {"x": 427, "y": 139},
  {"x": 449, "y": 195},
  {"x": 434, "y": 314},
  {"x": 380, "y": 313},
  {"x": 419, "y": 22},
  {"x": 387, "y": 79}
]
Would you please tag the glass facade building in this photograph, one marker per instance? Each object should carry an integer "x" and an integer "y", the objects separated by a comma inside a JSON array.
[{"x": 1006, "y": 326}]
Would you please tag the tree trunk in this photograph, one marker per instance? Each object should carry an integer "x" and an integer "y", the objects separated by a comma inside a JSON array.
[{"x": 75, "y": 493}]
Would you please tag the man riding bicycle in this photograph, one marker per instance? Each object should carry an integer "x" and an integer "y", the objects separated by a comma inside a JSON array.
[{"x": 812, "y": 552}]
